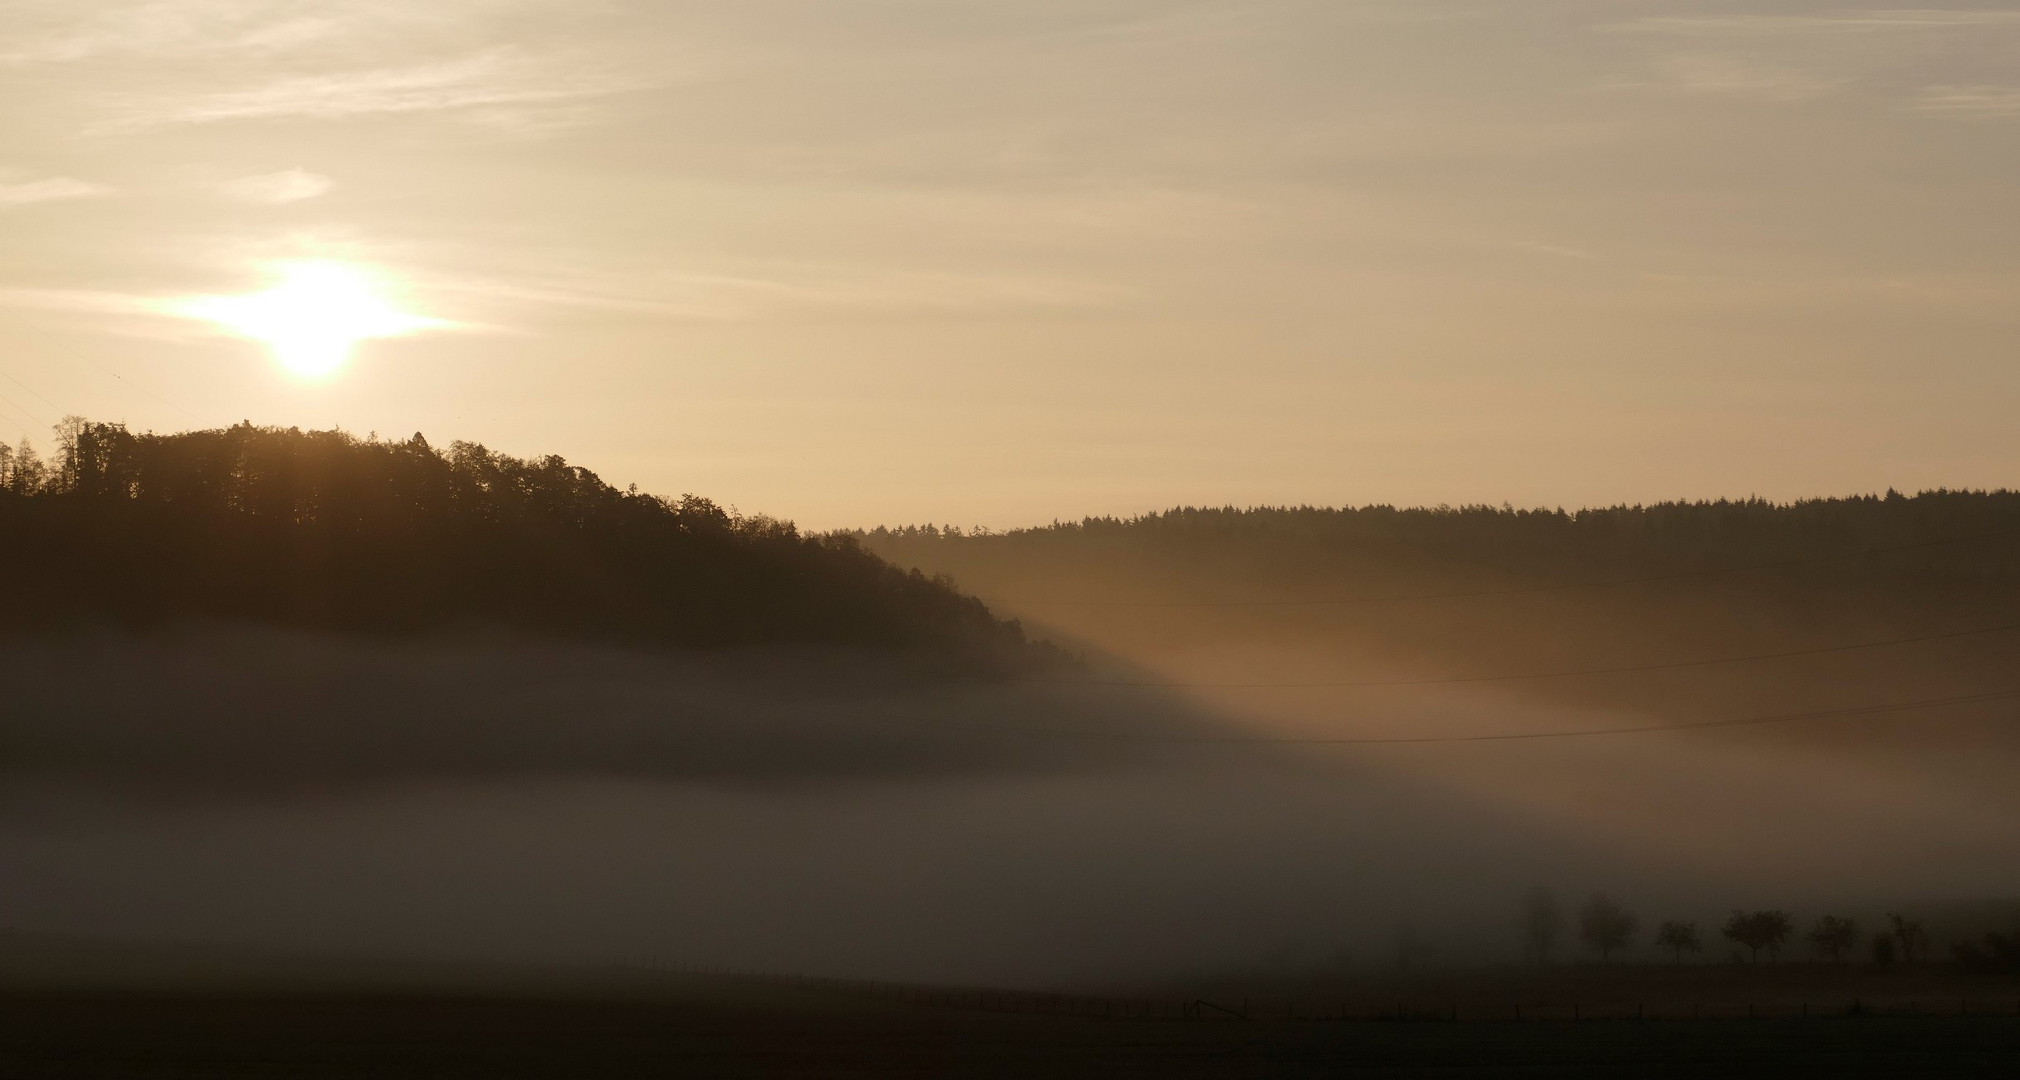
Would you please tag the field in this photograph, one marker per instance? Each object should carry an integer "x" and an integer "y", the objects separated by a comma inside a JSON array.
[{"x": 735, "y": 1027}]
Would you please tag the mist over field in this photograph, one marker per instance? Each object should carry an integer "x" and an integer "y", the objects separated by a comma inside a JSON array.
[
  {"x": 813, "y": 811},
  {"x": 795, "y": 812},
  {"x": 1487, "y": 539},
  {"x": 620, "y": 729}
]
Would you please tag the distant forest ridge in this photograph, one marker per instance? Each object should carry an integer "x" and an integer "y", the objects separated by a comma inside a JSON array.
[
  {"x": 1968, "y": 532},
  {"x": 321, "y": 529}
]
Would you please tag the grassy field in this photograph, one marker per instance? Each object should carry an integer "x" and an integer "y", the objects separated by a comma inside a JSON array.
[{"x": 696, "y": 1026}]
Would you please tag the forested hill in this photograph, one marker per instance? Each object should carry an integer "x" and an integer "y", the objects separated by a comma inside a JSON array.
[
  {"x": 1213, "y": 555},
  {"x": 320, "y": 529},
  {"x": 1673, "y": 612}
]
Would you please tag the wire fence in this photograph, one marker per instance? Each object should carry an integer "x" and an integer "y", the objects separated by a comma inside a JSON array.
[{"x": 1313, "y": 1010}]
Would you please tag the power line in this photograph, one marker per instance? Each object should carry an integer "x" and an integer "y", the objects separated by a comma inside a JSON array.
[
  {"x": 66, "y": 354},
  {"x": 131, "y": 386},
  {"x": 47, "y": 425},
  {"x": 34, "y": 421},
  {"x": 31, "y": 392},
  {"x": 1513, "y": 590},
  {"x": 1625, "y": 669},
  {"x": 1749, "y": 721}
]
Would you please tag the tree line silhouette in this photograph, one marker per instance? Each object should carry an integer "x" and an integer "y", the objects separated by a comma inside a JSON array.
[
  {"x": 1605, "y": 927},
  {"x": 1938, "y": 539},
  {"x": 321, "y": 529}
]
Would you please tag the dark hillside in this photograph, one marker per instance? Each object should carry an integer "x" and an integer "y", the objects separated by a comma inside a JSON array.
[
  {"x": 321, "y": 530},
  {"x": 1379, "y": 620},
  {"x": 1945, "y": 540}
]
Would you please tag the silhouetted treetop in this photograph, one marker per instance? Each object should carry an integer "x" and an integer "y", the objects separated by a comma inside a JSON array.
[{"x": 323, "y": 529}]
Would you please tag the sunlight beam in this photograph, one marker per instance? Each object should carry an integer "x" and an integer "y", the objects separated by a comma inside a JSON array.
[{"x": 313, "y": 317}]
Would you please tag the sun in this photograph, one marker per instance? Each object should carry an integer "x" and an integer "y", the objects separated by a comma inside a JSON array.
[{"x": 313, "y": 317}]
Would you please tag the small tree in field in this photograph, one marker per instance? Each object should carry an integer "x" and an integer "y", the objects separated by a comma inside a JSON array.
[
  {"x": 1757, "y": 930},
  {"x": 1914, "y": 940},
  {"x": 1541, "y": 923},
  {"x": 1833, "y": 936},
  {"x": 1883, "y": 951},
  {"x": 1606, "y": 926},
  {"x": 1679, "y": 938}
]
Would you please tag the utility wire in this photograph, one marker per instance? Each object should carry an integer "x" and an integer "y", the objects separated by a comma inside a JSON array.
[
  {"x": 1667, "y": 666},
  {"x": 1748, "y": 721},
  {"x": 1513, "y": 590},
  {"x": 31, "y": 391},
  {"x": 132, "y": 386},
  {"x": 34, "y": 421},
  {"x": 128, "y": 384}
]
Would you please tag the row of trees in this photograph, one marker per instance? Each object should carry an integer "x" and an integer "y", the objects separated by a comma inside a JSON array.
[
  {"x": 1606, "y": 927},
  {"x": 21, "y": 469},
  {"x": 1936, "y": 537}
]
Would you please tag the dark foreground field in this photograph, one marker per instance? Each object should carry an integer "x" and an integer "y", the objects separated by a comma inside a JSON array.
[{"x": 716, "y": 1028}]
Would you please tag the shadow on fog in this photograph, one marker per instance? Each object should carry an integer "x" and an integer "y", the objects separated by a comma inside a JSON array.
[
  {"x": 803, "y": 810},
  {"x": 830, "y": 811}
]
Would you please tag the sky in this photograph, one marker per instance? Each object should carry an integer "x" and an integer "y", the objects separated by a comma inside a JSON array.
[{"x": 996, "y": 262}]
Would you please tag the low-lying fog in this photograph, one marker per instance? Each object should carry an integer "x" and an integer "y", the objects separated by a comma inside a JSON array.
[{"x": 838, "y": 813}]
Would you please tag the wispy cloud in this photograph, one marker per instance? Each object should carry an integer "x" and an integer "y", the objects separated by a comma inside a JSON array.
[
  {"x": 1985, "y": 101},
  {"x": 805, "y": 291},
  {"x": 53, "y": 189},
  {"x": 1556, "y": 249},
  {"x": 81, "y": 300},
  {"x": 1715, "y": 74},
  {"x": 1890, "y": 53},
  {"x": 275, "y": 188},
  {"x": 1840, "y": 22},
  {"x": 496, "y": 78},
  {"x": 73, "y": 32}
]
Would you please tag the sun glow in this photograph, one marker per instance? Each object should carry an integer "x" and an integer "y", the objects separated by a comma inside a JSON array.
[{"x": 313, "y": 317}]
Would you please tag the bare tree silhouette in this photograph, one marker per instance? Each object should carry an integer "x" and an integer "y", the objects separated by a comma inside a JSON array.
[
  {"x": 1542, "y": 923},
  {"x": 1679, "y": 938},
  {"x": 1913, "y": 939},
  {"x": 1758, "y": 930},
  {"x": 1832, "y": 936},
  {"x": 1605, "y": 926}
]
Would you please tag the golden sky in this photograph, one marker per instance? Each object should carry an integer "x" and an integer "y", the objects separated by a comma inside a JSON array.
[{"x": 1000, "y": 261}]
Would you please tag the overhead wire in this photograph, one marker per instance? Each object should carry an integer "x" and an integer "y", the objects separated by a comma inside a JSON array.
[
  {"x": 31, "y": 392},
  {"x": 21, "y": 413},
  {"x": 129, "y": 384}
]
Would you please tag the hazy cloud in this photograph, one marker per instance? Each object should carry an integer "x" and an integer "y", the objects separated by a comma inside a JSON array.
[
  {"x": 285, "y": 186},
  {"x": 1844, "y": 22},
  {"x": 486, "y": 79},
  {"x": 1789, "y": 58},
  {"x": 60, "y": 32},
  {"x": 1731, "y": 75},
  {"x": 1556, "y": 249},
  {"x": 1988, "y": 101},
  {"x": 826, "y": 291},
  {"x": 53, "y": 189},
  {"x": 71, "y": 33}
]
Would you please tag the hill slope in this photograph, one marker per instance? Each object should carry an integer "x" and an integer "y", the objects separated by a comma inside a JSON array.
[
  {"x": 321, "y": 530},
  {"x": 1377, "y": 611}
]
